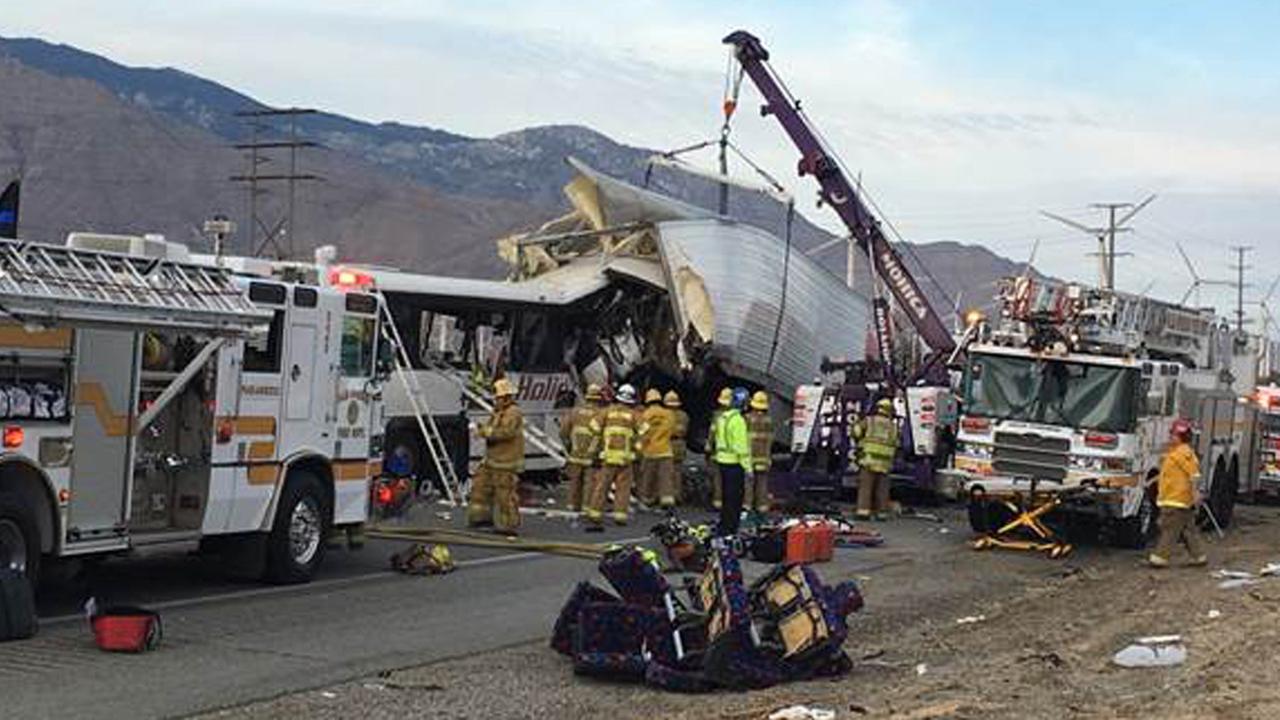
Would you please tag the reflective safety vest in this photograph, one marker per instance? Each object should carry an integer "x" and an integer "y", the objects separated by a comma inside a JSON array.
[
  {"x": 711, "y": 432},
  {"x": 617, "y": 427},
  {"x": 679, "y": 435},
  {"x": 730, "y": 433},
  {"x": 504, "y": 439},
  {"x": 877, "y": 438},
  {"x": 580, "y": 437},
  {"x": 656, "y": 424},
  {"x": 760, "y": 436}
]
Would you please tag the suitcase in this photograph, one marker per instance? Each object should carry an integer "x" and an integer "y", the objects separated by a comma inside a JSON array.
[
  {"x": 566, "y": 627},
  {"x": 17, "y": 606},
  {"x": 636, "y": 576},
  {"x": 612, "y": 638},
  {"x": 127, "y": 629},
  {"x": 769, "y": 545},
  {"x": 823, "y": 536},
  {"x": 799, "y": 550}
]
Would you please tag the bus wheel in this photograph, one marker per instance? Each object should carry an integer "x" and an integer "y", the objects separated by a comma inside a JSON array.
[
  {"x": 19, "y": 538},
  {"x": 296, "y": 546}
]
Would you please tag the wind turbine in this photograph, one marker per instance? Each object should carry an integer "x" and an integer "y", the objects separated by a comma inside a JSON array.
[{"x": 1196, "y": 281}]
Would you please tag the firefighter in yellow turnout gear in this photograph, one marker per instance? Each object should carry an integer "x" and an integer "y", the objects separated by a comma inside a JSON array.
[
  {"x": 494, "y": 499},
  {"x": 1177, "y": 496},
  {"x": 679, "y": 438},
  {"x": 657, "y": 469},
  {"x": 877, "y": 436},
  {"x": 760, "y": 437},
  {"x": 617, "y": 426},
  {"x": 723, "y": 401},
  {"x": 579, "y": 434}
]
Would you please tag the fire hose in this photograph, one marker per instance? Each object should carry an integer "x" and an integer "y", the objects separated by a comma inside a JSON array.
[{"x": 582, "y": 551}]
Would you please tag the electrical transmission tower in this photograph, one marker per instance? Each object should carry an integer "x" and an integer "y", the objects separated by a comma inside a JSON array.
[
  {"x": 254, "y": 179},
  {"x": 1106, "y": 235},
  {"x": 1240, "y": 267}
]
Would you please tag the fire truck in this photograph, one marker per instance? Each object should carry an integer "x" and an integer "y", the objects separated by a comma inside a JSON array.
[
  {"x": 150, "y": 398},
  {"x": 1071, "y": 393}
]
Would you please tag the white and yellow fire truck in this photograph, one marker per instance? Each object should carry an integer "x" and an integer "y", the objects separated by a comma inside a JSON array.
[
  {"x": 1074, "y": 390},
  {"x": 154, "y": 399}
]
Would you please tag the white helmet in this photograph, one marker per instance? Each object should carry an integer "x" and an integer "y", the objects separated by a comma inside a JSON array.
[{"x": 627, "y": 394}]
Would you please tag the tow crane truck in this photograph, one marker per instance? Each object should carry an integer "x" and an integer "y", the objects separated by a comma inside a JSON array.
[
  {"x": 1068, "y": 400},
  {"x": 823, "y": 413}
]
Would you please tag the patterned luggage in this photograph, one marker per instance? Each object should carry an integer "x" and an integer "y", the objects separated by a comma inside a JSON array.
[
  {"x": 612, "y": 638},
  {"x": 562, "y": 637},
  {"x": 636, "y": 576},
  {"x": 671, "y": 678}
]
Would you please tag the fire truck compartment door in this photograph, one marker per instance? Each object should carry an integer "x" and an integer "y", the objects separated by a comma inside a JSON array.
[
  {"x": 105, "y": 392},
  {"x": 300, "y": 371}
]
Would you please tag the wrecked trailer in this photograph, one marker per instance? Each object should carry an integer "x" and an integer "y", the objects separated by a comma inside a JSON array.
[{"x": 738, "y": 304}]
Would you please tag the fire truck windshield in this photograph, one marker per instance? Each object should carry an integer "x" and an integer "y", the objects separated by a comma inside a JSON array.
[{"x": 1053, "y": 392}]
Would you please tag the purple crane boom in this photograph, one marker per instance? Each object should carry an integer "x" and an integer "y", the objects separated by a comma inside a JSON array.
[{"x": 839, "y": 193}]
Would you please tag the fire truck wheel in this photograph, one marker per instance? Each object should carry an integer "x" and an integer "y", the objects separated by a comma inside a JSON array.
[
  {"x": 987, "y": 516},
  {"x": 296, "y": 546},
  {"x": 1140, "y": 530},
  {"x": 19, "y": 537}
]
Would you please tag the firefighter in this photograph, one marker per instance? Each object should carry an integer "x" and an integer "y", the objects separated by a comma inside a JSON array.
[
  {"x": 1178, "y": 496},
  {"x": 583, "y": 441},
  {"x": 723, "y": 401},
  {"x": 760, "y": 437},
  {"x": 657, "y": 471},
  {"x": 679, "y": 437},
  {"x": 617, "y": 427},
  {"x": 733, "y": 456},
  {"x": 877, "y": 436},
  {"x": 494, "y": 499}
]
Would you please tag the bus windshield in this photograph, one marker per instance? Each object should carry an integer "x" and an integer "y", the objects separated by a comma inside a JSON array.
[{"x": 1053, "y": 392}]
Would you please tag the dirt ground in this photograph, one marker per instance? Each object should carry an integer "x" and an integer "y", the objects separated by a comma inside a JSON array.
[{"x": 1041, "y": 646}]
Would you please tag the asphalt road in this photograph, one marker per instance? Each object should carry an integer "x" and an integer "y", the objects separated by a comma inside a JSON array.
[{"x": 228, "y": 641}]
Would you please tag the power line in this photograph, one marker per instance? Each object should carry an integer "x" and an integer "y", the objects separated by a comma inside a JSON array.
[
  {"x": 1106, "y": 235},
  {"x": 252, "y": 179}
]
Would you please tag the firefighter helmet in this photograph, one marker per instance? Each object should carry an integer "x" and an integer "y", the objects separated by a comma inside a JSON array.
[
  {"x": 652, "y": 396},
  {"x": 884, "y": 406},
  {"x": 1181, "y": 429},
  {"x": 502, "y": 387},
  {"x": 593, "y": 392},
  {"x": 725, "y": 399},
  {"x": 759, "y": 400},
  {"x": 627, "y": 395},
  {"x": 671, "y": 399}
]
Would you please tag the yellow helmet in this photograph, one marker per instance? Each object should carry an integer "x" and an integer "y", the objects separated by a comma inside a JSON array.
[
  {"x": 884, "y": 406},
  {"x": 725, "y": 399},
  {"x": 651, "y": 396},
  {"x": 671, "y": 399},
  {"x": 760, "y": 401},
  {"x": 593, "y": 392},
  {"x": 502, "y": 387}
]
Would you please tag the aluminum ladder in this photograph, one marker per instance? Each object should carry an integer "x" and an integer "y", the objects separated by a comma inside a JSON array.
[
  {"x": 436, "y": 447},
  {"x": 42, "y": 283}
]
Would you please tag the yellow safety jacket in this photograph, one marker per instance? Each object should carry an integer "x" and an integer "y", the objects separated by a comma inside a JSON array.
[
  {"x": 617, "y": 427},
  {"x": 656, "y": 424},
  {"x": 732, "y": 448},
  {"x": 711, "y": 432},
  {"x": 1178, "y": 471},
  {"x": 679, "y": 435},
  {"x": 504, "y": 439},
  {"x": 760, "y": 437},
  {"x": 877, "y": 438},
  {"x": 580, "y": 437}
]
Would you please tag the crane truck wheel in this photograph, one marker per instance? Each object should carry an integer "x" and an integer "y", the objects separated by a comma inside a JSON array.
[
  {"x": 296, "y": 545},
  {"x": 19, "y": 537}
]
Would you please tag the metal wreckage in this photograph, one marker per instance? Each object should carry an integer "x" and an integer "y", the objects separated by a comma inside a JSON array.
[{"x": 687, "y": 298}]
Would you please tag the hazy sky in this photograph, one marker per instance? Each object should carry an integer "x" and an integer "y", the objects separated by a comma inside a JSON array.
[{"x": 964, "y": 117}]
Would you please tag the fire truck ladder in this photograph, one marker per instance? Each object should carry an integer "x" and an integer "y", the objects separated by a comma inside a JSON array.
[
  {"x": 535, "y": 435},
  {"x": 45, "y": 284},
  {"x": 422, "y": 411}
]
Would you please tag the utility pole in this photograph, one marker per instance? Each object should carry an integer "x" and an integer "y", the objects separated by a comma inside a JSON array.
[
  {"x": 1106, "y": 235},
  {"x": 253, "y": 179},
  {"x": 1240, "y": 284}
]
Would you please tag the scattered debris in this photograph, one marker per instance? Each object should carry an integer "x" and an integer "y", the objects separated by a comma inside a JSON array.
[
  {"x": 1049, "y": 658},
  {"x": 1270, "y": 569},
  {"x": 802, "y": 712},
  {"x": 1225, "y": 574},
  {"x": 1237, "y": 583},
  {"x": 922, "y": 669},
  {"x": 328, "y": 695},
  {"x": 971, "y": 619},
  {"x": 446, "y": 516},
  {"x": 1215, "y": 614},
  {"x": 1155, "y": 651}
]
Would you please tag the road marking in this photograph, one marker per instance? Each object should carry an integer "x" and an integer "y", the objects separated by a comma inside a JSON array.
[{"x": 315, "y": 585}]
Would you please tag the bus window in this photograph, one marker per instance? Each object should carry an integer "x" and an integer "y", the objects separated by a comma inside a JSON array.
[
  {"x": 357, "y": 346},
  {"x": 538, "y": 343},
  {"x": 262, "y": 351}
]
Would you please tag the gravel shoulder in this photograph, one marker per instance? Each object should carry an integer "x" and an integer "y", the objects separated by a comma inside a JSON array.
[{"x": 1041, "y": 647}]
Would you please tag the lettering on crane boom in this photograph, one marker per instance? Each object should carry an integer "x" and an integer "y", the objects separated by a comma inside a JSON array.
[{"x": 903, "y": 287}]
